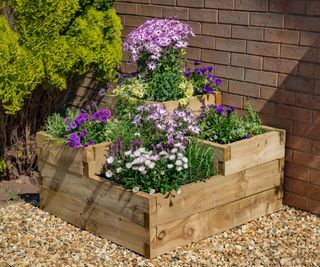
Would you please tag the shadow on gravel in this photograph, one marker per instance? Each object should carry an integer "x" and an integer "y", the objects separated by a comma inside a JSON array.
[{"x": 32, "y": 199}]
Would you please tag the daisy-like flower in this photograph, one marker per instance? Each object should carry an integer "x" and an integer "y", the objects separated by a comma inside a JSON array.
[
  {"x": 108, "y": 174},
  {"x": 179, "y": 168},
  {"x": 185, "y": 166},
  {"x": 179, "y": 162},
  {"x": 128, "y": 165},
  {"x": 128, "y": 153},
  {"x": 172, "y": 157},
  {"x": 170, "y": 166},
  {"x": 152, "y": 165},
  {"x": 110, "y": 160},
  {"x": 118, "y": 170},
  {"x": 135, "y": 189},
  {"x": 152, "y": 191}
]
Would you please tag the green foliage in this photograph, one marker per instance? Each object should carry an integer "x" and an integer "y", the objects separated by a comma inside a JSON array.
[
  {"x": 3, "y": 166},
  {"x": 224, "y": 125},
  {"x": 164, "y": 81},
  {"x": 52, "y": 39},
  {"x": 11, "y": 195}
]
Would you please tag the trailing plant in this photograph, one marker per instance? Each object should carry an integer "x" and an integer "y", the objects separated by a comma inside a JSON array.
[{"x": 223, "y": 125}]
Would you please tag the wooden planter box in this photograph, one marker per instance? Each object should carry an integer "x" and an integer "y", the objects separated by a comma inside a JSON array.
[
  {"x": 151, "y": 224},
  {"x": 248, "y": 153},
  {"x": 195, "y": 102}
]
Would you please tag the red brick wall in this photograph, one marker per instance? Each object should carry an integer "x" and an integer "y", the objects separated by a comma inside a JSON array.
[{"x": 268, "y": 52}]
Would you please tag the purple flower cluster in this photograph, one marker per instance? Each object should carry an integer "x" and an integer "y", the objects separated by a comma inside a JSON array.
[
  {"x": 154, "y": 37},
  {"x": 175, "y": 126},
  {"x": 219, "y": 109},
  {"x": 101, "y": 115}
]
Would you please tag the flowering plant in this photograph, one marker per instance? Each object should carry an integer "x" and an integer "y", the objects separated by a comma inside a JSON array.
[
  {"x": 223, "y": 125},
  {"x": 156, "y": 158}
]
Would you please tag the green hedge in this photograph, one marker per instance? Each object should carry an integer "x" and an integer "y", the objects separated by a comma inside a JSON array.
[{"x": 51, "y": 39}]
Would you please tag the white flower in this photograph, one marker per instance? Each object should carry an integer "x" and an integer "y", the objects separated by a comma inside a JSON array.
[
  {"x": 162, "y": 172},
  {"x": 174, "y": 150},
  {"x": 155, "y": 157},
  {"x": 185, "y": 160},
  {"x": 141, "y": 169},
  {"x": 137, "y": 134},
  {"x": 110, "y": 160},
  {"x": 185, "y": 166},
  {"x": 163, "y": 153},
  {"x": 128, "y": 165},
  {"x": 170, "y": 166},
  {"x": 135, "y": 189},
  {"x": 152, "y": 191},
  {"x": 152, "y": 165},
  {"x": 128, "y": 153},
  {"x": 142, "y": 149},
  {"x": 179, "y": 191},
  {"x": 137, "y": 153},
  {"x": 172, "y": 157},
  {"x": 147, "y": 162},
  {"x": 108, "y": 174},
  {"x": 179, "y": 168},
  {"x": 179, "y": 162}
]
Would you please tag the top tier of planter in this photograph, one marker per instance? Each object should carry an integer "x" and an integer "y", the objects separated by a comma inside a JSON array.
[{"x": 195, "y": 103}]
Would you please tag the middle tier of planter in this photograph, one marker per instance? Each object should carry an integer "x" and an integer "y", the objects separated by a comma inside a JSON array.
[{"x": 195, "y": 103}]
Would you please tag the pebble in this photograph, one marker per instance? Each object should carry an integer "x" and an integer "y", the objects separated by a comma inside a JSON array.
[{"x": 31, "y": 237}]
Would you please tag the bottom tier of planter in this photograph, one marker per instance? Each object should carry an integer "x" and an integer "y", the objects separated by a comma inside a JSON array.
[{"x": 155, "y": 224}]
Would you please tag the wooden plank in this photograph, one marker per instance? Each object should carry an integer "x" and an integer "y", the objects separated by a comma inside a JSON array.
[
  {"x": 222, "y": 152},
  {"x": 103, "y": 223},
  {"x": 99, "y": 193},
  {"x": 217, "y": 191},
  {"x": 210, "y": 222}
]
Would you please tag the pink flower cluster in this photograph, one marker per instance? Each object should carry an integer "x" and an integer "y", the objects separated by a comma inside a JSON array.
[{"x": 154, "y": 37}]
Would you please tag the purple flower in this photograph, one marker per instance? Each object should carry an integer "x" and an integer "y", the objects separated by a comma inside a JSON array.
[
  {"x": 196, "y": 63},
  {"x": 249, "y": 135},
  {"x": 101, "y": 115},
  {"x": 68, "y": 128},
  {"x": 74, "y": 140},
  {"x": 209, "y": 68},
  {"x": 201, "y": 116},
  {"x": 210, "y": 78},
  {"x": 212, "y": 106},
  {"x": 83, "y": 133},
  {"x": 207, "y": 90},
  {"x": 81, "y": 118},
  {"x": 231, "y": 108},
  {"x": 218, "y": 81},
  {"x": 74, "y": 125},
  {"x": 220, "y": 109},
  {"x": 91, "y": 142},
  {"x": 187, "y": 73},
  {"x": 67, "y": 120}
]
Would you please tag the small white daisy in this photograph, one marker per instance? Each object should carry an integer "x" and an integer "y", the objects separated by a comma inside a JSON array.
[
  {"x": 110, "y": 160},
  {"x": 108, "y": 174},
  {"x": 135, "y": 189}
]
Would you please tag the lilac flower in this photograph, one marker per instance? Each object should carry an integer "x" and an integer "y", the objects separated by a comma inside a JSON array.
[
  {"x": 209, "y": 68},
  {"x": 207, "y": 90},
  {"x": 212, "y": 106},
  {"x": 68, "y": 128},
  {"x": 91, "y": 142},
  {"x": 187, "y": 73},
  {"x": 210, "y": 78},
  {"x": 151, "y": 65},
  {"x": 83, "y": 133},
  {"x": 196, "y": 63},
  {"x": 220, "y": 109},
  {"x": 74, "y": 125},
  {"x": 231, "y": 108},
  {"x": 101, "y": 115},
  {"x": 218, "y": 81},
  {"x": 155, "y": 36},
  {"x": 249, "y": 136},
  {"x": 81, "y": 118},
  {"x": 74, "y": 140},
  {"x": 67, "y": 120}
]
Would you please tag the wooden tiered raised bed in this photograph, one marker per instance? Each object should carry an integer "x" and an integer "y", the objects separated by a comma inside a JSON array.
[{"x": 152, "y": 224}]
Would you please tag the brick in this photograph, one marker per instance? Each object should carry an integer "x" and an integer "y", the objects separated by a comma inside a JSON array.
[
  {"x": 306, "y": 129},
  {"x": 296, "y": 83},
  {"x": 214, "y": 56},
  {"x": 288, "y": 155},
  {"x": 180, "y": 12},
  {"x": 277, "y": 122},
  {"x": 126, "y": 30},
  {"x": 281, "y": 36},
  {"x": 298, "y": 52},
  {"x": 149, "y": 10},
  {"x": 299, "y": 143},
  {"x": 286, "y": 184},
  {"x": 280, "y": 65},
  {"x": 263, "y": 49},
  {"x": 306, "y": 159},
  {"x": 194, "y": 53},
  {"x": 315, "y": 177},
  {"x": 317, "y": 87},
  {"x": 285, "y": 6},
  {"x": 134, "y": 21},
  {"x": 243, "y": 88},
  {"x": 229, "y": 72},
  {"x": 314, "y": 207},
  {"x": 297, "y": 172},
  {"x": 267, "y": 20},
  {"x": 308, "y": 100},
  {"x": 309, "y": 70},
  {"x": 230, "y": 45},
  {"x": 262, "y": 106},
  {"x": 299, "y": 187},
  {"x": 205, "y": 15},
  {"x": 219, "y": 30},
  {"x": 252, "y": 5},
  {"x": 232, "y": 100},
  {"x": 314, "y": 192},
  {"x": 310, "y": 39},
  {"x": 316, "y": 147},
  {"x": 190, "y": 3},
  {"x": 313, "y": 8},
  {"x": 163, "y": 2},
  {"x": 294, "y": 113},
  {"x": 233, "y": 17},
  {"x": 278, "y": 95},
  {"x": 316, "y": 118},
  {"x": 248, "y": 33},
  {"x": 124, "y": 8},
  {"x": 219, "y": 4},
  {"x": 203, "y": 42},
  {"x": 261, "y": 77},
  {"x": 248, "y": 61},
  {"x": 302, "y": 23},
  {"x": 296, "y": 201},
  {"x": 136, "y": 1},
  {"x": 196, "y": 26}
]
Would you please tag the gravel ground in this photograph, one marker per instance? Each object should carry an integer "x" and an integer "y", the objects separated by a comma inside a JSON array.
[{"x": 31, "y": 237}]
